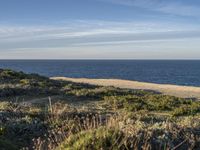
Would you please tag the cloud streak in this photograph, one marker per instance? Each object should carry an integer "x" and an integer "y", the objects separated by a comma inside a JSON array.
[
  {"x": 93, "y": 39},
  {"x": 169, "y": 6},
  {"x": 91, "y": 30}
]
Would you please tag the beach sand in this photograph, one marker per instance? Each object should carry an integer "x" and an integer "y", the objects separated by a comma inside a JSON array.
[{"x": 174, "y": 90}]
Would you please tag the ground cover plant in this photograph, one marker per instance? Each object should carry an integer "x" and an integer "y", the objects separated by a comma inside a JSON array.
[{"x": 39, "y": 113}]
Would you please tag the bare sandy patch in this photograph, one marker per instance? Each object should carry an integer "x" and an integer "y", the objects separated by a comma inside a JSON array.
[{"x": 174, "y": 90}]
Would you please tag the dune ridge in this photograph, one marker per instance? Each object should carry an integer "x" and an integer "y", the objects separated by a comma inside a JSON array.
[{"x": 168, "y": 89}]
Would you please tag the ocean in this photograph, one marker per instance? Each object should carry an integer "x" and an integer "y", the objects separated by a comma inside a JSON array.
[{"x": 179, "y": 72}]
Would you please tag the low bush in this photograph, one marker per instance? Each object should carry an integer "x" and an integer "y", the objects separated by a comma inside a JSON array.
[
  {"x": 154, "y": 102},
  {"x": 101, "y": 138}
]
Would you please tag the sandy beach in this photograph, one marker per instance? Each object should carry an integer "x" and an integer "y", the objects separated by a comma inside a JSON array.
[{"x": 174, "y": 90}]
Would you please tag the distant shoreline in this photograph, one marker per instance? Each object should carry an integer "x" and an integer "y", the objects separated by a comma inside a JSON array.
[
  {"x": 167, "y": 89},
  {"x": 178, "y": 72}
]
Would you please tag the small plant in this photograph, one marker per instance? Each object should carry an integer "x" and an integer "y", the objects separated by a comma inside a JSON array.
[{"x": 92, "y": 117}]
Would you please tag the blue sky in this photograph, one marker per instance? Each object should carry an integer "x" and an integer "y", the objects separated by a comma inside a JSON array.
[{"x": 99, "y": 29}]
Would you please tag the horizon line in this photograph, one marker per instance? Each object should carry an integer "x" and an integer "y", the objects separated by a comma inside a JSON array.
[{"x": 104, "y": 59}]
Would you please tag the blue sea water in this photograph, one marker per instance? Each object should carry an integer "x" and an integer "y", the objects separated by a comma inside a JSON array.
[{"x": 180, "y": 72}]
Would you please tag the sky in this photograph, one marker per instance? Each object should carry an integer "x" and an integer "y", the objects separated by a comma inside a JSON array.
[{"x": 99, "y": 29}]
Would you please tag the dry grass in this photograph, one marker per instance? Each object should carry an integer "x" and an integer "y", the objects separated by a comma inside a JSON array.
[
  {"x": 85, "y": 117},
  {"x": 65, "y": 127}
]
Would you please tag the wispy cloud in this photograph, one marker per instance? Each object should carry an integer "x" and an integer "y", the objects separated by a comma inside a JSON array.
[
  {"x": 85, "y": 34},
  {"x": 177, "y": 7},
  {"x": 158, "y": 49},
  {"x": 91, "y": 29}
]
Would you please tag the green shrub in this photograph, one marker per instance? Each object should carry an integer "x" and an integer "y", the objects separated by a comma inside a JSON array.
[
  {"x": 101, "y": 138},
  {"x": 192, "y": 109},
  {"x": 153, "y": 102}
]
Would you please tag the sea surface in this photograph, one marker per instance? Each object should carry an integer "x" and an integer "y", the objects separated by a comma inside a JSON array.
[{"x": 180, "y": 72}]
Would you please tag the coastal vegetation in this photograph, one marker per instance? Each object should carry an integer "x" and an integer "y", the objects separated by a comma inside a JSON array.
[{"x": 39, "y": 113}]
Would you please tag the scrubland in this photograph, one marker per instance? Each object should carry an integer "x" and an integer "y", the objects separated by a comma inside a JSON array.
[{"x": 43, "y": 114}]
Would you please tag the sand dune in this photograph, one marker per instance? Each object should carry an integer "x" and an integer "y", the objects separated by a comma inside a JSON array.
[{"x": 174, "y": 90}]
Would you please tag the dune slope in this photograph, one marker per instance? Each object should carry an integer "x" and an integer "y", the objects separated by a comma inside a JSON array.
[{"x": 174, "y": 90}]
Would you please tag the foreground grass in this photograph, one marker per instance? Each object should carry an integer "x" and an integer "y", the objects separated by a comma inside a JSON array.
[{"x": 92, "y": 117}]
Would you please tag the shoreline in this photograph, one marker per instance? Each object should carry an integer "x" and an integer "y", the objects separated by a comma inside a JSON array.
[{"x": 167, "y": 89}]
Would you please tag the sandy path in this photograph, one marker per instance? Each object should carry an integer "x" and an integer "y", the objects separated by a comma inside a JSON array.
[
  {"x": 40, "y": 100},
  {"x": 180, "y": 91}
]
